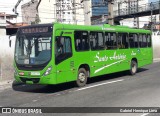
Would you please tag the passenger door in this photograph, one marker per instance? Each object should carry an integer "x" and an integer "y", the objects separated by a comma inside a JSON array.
[{"x": 64, "y": 57}]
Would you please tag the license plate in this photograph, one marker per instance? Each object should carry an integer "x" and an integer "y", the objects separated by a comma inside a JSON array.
[{"x": 35, "y": 73}]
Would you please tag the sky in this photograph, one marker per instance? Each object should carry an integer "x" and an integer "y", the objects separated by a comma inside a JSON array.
[
  {"x": 8, "y": 5},
  {"x": 153, "y": 0}
]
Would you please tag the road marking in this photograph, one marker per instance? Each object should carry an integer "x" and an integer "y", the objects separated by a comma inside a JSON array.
[
  {"x": 99, "y": 85},
  {"x": 35, "y": 100},
  {"x": 145, "y": 114}
]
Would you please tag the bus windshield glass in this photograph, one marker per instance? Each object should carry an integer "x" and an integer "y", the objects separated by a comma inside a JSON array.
[{"x": 33, "y": 49}]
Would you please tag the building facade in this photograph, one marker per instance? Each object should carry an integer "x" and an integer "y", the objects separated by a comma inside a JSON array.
[
  {"x": 64, "y": 11},
  {"x": 73, "y": 11},
  {"x": 38, "y": 11},
  {"x": 99, "y": 12},
  {"x": 29, "y": 12},
  {"x": 46, "y": 11},
  {"x": 4, "y": 18}
]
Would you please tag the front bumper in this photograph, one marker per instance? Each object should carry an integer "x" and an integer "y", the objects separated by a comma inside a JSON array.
[{"x": 49, "y": 79}]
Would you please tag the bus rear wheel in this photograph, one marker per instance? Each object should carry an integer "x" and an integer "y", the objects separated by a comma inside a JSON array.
[
  {"x": 133, "y": 67},
  {"x": 82, "y": 77}
]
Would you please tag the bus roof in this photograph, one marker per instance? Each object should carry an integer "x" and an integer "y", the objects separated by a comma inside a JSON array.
[
  {"x": 105, "y": 27},
  {"x": 37, "y": 25}
]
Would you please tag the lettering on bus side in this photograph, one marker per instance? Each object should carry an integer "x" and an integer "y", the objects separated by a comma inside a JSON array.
[
  {"x": 67, "y": 32},
  {"x": 133, "y": 53},
  {"x": 106, "y": 58}
]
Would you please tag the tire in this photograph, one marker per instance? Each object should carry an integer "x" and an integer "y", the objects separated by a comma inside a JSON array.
[
  {"x": 81, "y": 77},
  {"x": 133, "y": 67}
]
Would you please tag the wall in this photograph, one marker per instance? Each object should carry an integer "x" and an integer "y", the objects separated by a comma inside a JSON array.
[
  {"x": 6, "y": 58},
  {"x": 46, "y": 11},
  {"x": 156, "y": 45},
  {"x": 2, "y": 27},
  {"x": 2, "y": 31}
]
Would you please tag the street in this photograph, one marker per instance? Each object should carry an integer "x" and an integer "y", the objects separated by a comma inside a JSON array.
[{"x": 113, "y": 90}]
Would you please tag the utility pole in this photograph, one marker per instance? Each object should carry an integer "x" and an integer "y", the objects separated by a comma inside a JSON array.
[
  {"x": 151, "y": 5},
  {"x": 110, "y": 12},
  {"x": 159, "y": 16},
  {"x": 15, "y": 7},
  {"x": 137, "y": 17},
  {"x": 74, "y": 12},
  {"x": 129, "y": 4},
  {"x": 87, "y": 12}
]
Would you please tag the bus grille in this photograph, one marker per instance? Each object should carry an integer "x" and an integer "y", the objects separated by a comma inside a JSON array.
[{"x": 34, "y": 80}]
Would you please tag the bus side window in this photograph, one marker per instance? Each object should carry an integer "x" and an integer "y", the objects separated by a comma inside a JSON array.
[
  {"x": 149, "y": 40},
  {"x": 122, "y": 41},
  {"x": 114, "y": 37},
  {"x": 110, "y": 40},
  {"x": 106, "y": 38},
  {"x": 81, "y": 41},
  {"x": 136, "y": 40},
  {"x": 140, "y": 40},
  {"x": 131, "y": 40},
  {"x": 63, "y": 48},
  {"x": 119, "y": 40},
  {"x": 93, "y": 41},
  {"x": 100, "y": 41},
  {"x": 125, "y": 38},
  {"x": 144, "y": 41}
]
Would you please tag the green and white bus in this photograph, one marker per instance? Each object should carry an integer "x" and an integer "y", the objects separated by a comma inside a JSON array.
[{"x": 59, "y": 53}]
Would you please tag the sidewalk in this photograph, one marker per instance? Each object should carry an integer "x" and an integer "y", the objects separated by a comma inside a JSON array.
[
  {"x": 5, "y": 84},
  {"x": 156, "y": 60}
]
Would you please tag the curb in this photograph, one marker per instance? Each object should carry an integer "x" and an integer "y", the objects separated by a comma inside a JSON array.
[{"x": 156, "y": 60}]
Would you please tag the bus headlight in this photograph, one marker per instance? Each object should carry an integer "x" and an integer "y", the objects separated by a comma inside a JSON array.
[{"x": 48, "y": 71}]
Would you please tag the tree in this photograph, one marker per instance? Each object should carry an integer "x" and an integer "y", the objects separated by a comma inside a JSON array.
[{"x": 37, "y": 20}]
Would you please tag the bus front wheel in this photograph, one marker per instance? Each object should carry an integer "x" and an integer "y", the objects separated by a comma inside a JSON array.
[
  {"x": 82, "y": 77},
  {"x": 133, "y": 67}
]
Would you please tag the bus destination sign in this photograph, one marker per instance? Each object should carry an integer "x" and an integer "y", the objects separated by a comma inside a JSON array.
[{"x": 35, "y": 30}]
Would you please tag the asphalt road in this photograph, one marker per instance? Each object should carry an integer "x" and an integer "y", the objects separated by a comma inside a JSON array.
[{"x": 113, "y": 90}]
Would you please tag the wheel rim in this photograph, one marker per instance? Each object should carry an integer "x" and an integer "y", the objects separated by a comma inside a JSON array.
[
  {"x": 134, "y": 68},
  {"x": 81, "y": 77}
]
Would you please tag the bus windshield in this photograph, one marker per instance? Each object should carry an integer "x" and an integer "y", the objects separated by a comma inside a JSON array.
[{"x": 33, "y": 49}]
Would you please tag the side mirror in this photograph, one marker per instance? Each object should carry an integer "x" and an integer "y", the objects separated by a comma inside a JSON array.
[
  {"x": 61, "y": 33},
  {"x": 10, "y": 43}
]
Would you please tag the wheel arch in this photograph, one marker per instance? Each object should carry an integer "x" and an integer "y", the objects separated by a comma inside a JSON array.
[
  {"x": 135, "y": 59},
  {"x": 86, "y": 67}
]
